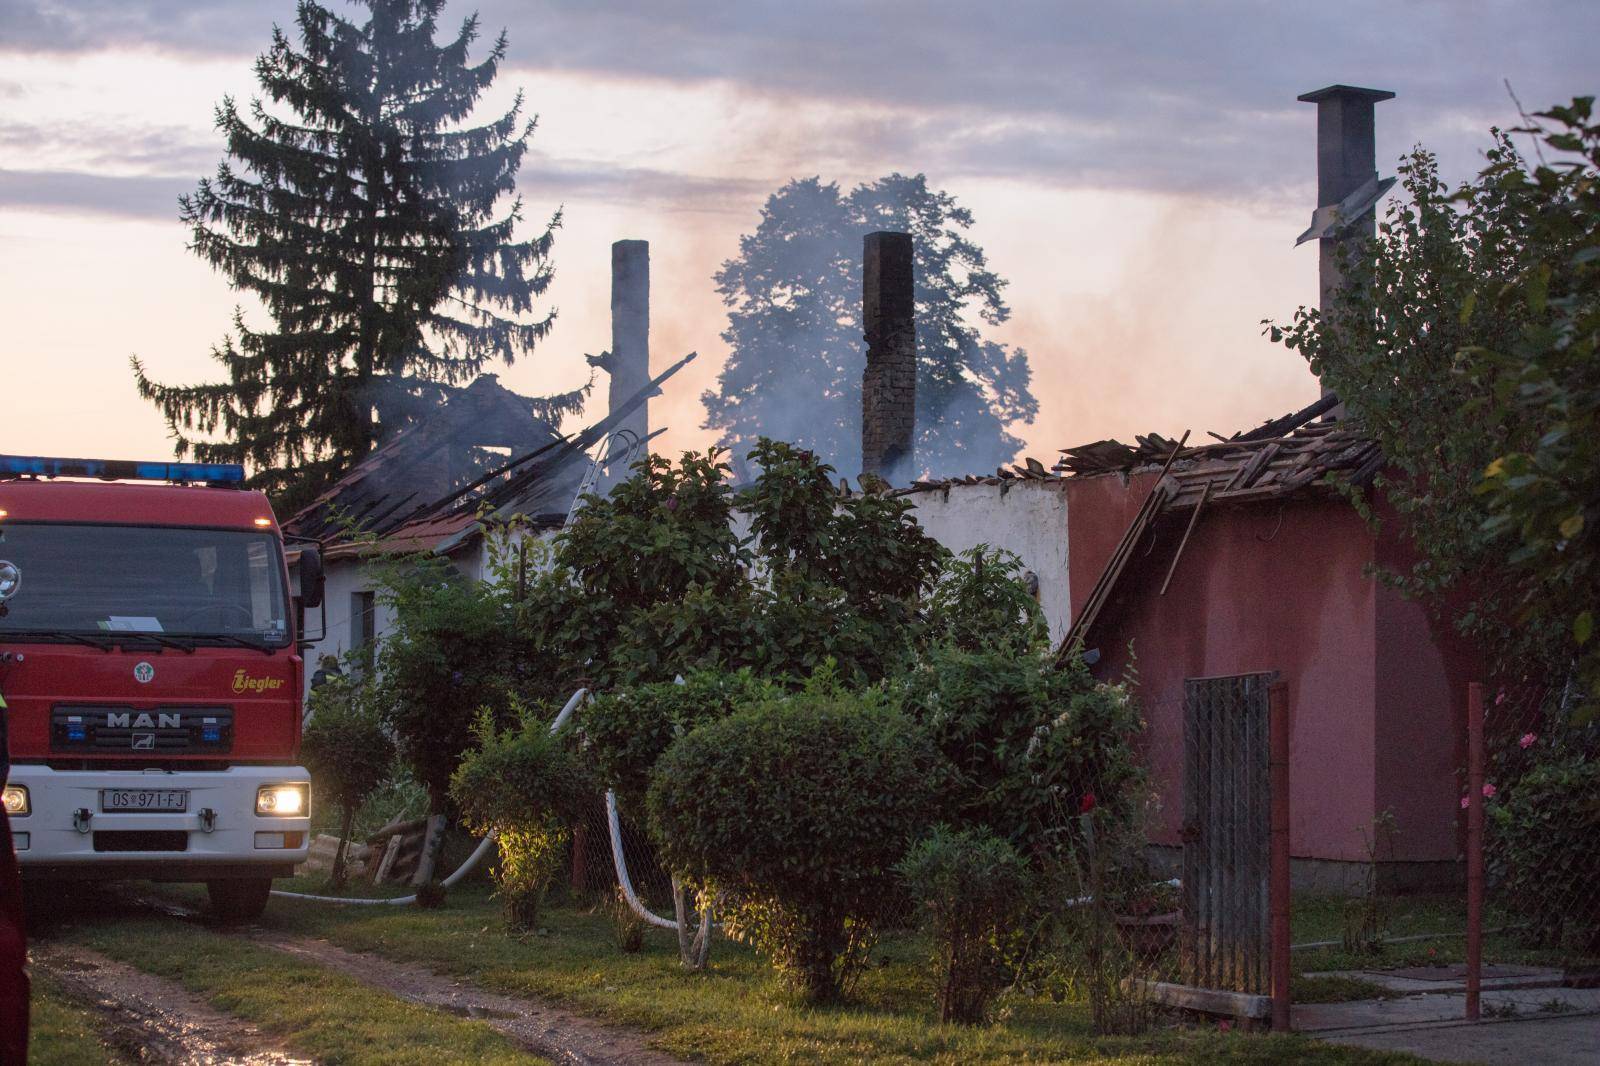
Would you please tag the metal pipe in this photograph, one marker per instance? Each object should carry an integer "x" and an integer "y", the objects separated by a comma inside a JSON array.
[
  {"x": 1279, "y": 887},
  {"x": 1474, "y": 849}
]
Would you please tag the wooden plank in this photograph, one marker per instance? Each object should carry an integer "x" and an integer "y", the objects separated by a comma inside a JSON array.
[
  {"x": 1194, "y": 517},
  {"x": 1207, "y": 1000},
  {"x": 1119, "y": 557}
]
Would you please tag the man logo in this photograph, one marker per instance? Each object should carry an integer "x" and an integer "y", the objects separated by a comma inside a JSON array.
[
  {"x": 125, "y": 720},
  {"x": 144, "y": 673},
  {"x": 144, "y": 741}
]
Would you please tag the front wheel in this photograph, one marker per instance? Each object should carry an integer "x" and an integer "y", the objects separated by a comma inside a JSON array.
[{"x": 239, "y": 899}]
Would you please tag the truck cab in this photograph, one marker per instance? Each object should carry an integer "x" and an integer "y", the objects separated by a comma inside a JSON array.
[{"x": 150, "y": 665}]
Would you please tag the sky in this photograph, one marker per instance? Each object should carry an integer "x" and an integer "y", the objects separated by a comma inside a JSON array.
[{"x": 1137, "y": 170}]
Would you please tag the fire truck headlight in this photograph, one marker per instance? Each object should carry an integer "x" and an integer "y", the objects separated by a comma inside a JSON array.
[
  {"x": 284, "y": 800},
  {"x": 15, "y": 801}
]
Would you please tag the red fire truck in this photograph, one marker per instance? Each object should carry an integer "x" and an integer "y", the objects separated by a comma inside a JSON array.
[{"x": 149, "y": 659}]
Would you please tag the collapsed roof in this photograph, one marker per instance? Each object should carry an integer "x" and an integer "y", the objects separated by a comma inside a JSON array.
[
  {"x": 1283, "y": 456},
  {"x": 486, "y": 449}
]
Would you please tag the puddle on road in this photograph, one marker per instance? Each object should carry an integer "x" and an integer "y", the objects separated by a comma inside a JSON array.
[
  {"x": 153, "y": 1020},
  {"x": 476, "y": 1011}
]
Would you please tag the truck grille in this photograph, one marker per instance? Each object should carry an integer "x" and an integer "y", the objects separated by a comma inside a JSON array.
[{"x": 158, "y": 730}]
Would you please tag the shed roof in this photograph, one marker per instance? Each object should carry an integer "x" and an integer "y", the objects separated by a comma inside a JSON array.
[{"x": 1294, "y": 453}]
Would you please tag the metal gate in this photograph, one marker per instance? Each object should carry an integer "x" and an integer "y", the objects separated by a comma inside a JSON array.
[{"x": 1227, "y": 813}]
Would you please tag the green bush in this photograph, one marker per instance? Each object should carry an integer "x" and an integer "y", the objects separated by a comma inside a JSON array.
[
  {"x": 653, "y": 581},
  {"x": 1544, "y": 849},
  {"x": 452, "y": 650},
  {"x": 347, "y": 751},
  {"x": 1029, "y": 745},
  {"x": 981, "y": 603},
  {"x": 972, "y": 889},
  {"x": 526, "y": 786},
  {"x": 795, "y": 810},
  {"x": 625, "y": 731}
]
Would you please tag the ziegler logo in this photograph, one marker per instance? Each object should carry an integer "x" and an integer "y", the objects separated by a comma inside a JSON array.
[
  {"x": 125, "y": 720},
  {"x": 244, "y": 683}
]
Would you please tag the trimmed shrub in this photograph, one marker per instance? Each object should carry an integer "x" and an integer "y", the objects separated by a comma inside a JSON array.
[
  {"x": 972, "y": 888},
  {"x": 1544, "y": 849},
  {"x": 525, "y": 785},
  {"x": 796, "y": 810},
  {"x": 625, "y": 731},
  {"x": 347, "y": 751}
]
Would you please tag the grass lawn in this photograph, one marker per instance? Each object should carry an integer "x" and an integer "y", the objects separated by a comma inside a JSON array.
[
  {"x": 308, "y": 1009},
  {"x": 1322, "y": 918},
  {"x": 62, "y": 1033},
  {"x": 735, "y": 1012}
]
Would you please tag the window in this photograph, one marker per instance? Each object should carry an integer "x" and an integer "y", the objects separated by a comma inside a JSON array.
[
  {"x": 193, "y": 585},
  {"x": 363, "y": 627}
]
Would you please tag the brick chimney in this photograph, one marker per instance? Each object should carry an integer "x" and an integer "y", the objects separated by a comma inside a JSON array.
[
  {"x": 1346, "y": 163},
  {"x": 889, "y": 385},
  {"x": 629, "y": 360}
]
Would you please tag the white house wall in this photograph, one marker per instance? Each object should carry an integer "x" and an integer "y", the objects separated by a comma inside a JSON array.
[
  {"x": 343, "y": 578},
  {"x": 1026, "y": 518}
]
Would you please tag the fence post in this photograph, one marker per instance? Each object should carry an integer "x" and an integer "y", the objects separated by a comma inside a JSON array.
[
  {"x": 1474, "y": 848},
  {"x": 1279, "y": 886}
]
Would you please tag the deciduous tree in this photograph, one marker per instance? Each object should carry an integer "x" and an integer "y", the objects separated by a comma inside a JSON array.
[{"x": 795, "y": 332}]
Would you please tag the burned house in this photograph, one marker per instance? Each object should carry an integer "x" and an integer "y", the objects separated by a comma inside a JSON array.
[{"x": 484, "y": 456}]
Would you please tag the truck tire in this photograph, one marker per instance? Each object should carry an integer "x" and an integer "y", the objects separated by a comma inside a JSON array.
[{"x": 239, "y": 899}]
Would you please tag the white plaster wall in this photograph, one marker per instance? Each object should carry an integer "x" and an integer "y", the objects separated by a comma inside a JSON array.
[
  {"x": 343, "y": 577},
  {"x": 1026, "y": 518}
]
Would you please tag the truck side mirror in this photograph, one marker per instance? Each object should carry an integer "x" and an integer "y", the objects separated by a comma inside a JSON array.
[{"x": 311, "y": 578}]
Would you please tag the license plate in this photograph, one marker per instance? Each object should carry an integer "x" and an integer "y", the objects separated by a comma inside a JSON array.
[{"x": 144, "y": 799}]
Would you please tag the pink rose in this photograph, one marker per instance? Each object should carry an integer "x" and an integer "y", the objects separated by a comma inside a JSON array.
[
  {"x": 1488, "y": 790},
  {"x": 1466, "y": 801},
  {"x": 1528, "y": 740}
]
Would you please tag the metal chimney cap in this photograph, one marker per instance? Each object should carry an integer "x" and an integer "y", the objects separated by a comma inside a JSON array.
[{"x": 1349, "y": 91}]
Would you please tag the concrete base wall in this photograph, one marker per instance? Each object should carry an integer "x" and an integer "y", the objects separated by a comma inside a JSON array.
[{"x": 1330, "y": 877}]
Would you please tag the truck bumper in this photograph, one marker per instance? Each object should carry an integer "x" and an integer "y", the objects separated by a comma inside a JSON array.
[{"x": 232, "y": 840}]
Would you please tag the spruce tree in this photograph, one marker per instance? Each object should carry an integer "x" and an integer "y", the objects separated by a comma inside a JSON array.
[
  {"x": 372, "y": 224},
  {"x": 795, "y": 331}
]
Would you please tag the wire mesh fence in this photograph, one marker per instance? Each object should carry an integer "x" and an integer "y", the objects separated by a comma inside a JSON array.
[
  {"x": 1167, "y": 885},
  {"x": 592, "y": 873},
  {"x": 1226, "y": 824},
  {"x": 1175, "y": 886},
  {"x": 1520, "y": 827},
  {"x": 1173, "y": 908}
]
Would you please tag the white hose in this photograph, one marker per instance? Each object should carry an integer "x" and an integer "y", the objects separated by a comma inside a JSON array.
[
  {"x": 621, "y": 864},
  {"x": 477, "y": 856}
]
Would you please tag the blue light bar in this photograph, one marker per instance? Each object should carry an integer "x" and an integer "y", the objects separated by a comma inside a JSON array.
[{"x": 121, "y": 469}]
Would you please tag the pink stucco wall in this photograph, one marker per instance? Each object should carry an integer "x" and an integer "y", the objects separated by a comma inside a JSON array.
[{"x": 1285, "y": 586}]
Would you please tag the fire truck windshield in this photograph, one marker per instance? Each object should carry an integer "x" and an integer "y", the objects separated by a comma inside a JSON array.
[{"x": 171, "y": 584}]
